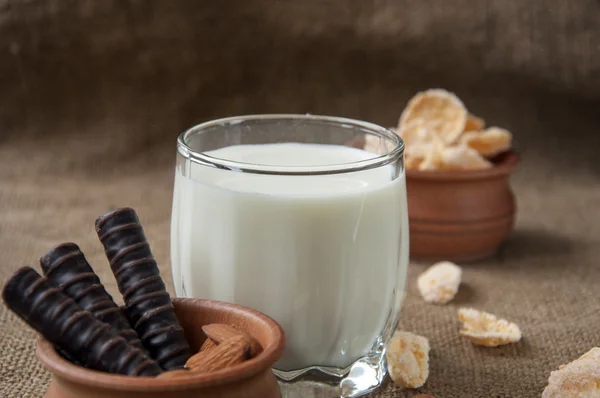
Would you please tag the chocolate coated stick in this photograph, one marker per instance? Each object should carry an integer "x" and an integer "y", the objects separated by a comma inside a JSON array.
[
  {"x": 65, "y": 266},
  {"x": 62, "y": 322},
  {"x": 147, "y": 302}
]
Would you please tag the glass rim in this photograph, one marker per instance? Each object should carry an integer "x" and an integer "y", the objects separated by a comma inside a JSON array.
[{"x": 377, "y": 161}]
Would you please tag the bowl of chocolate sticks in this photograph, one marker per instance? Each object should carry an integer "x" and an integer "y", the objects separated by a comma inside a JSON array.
[{"x": 150, "y": 347}]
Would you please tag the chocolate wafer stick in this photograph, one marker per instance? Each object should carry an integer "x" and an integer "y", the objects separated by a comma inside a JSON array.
[
  {"x": 65, "y": 266},
  {"x": 62, "y": 322},
  {"x": 147, "y": 302}
]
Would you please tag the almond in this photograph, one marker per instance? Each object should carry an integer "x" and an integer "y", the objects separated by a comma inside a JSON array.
[
  {"x": 208, "y": 344},
  {"x": 230, "y": 352},
  {"x": 220, "y": 332},
  {"x": 174, "y": 373}
]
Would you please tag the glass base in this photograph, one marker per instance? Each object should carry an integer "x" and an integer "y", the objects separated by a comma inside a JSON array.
[{"x": 360, "y": 378}]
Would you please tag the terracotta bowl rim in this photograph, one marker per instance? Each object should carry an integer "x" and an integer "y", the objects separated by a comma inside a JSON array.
[
  {"x": 506, "y": 166},
  {"x": 64, "y": 369}
]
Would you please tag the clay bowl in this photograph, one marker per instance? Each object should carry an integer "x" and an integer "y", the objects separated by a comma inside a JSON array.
[
  {"x": 460, "y": 215},
  {"x": 250, "y": 379}
]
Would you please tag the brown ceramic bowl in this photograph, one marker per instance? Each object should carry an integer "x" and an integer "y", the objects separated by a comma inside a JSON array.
[
  {"x": 250, "y": 379},
  {"x": 460, "y": 215}
]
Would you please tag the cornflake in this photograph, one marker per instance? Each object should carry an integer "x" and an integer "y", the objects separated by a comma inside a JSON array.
[
  {"x": 419, "y": 140},
  {"x": 439, "y": 283},
  {"x": 485, "y": 329},
  {"x": 412, "y": 162},
  {"x": 474, "y": 123},
  {"x": 433, "y": 159},
  {"x": 437, "y": 111},
  {"x": 408, "y": 359},
  {"x": 578, "y": 379},
  {"x": 461, "y": 157},
  {"x": 440, "y": 134},
  {"x": 489, "y": 142}
]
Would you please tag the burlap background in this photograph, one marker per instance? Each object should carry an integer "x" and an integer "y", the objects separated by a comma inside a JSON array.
[{"x": 93, "y": 93}]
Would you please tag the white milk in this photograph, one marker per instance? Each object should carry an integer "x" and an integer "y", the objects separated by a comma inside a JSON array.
[{"x": 319, "y": 254}]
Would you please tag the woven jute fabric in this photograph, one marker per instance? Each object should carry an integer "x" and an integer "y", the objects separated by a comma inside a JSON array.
[{"x": 93, "y": 94}]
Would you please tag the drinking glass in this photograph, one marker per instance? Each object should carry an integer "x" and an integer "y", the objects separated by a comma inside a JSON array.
[{"x": 303, "y": 218}]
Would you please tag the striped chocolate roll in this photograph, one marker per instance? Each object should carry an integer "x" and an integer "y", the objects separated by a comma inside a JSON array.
[
  {"x": 147, "y": 303},
  {"x": 65, "y": 266},
  {"x": 76, "y": 332}
]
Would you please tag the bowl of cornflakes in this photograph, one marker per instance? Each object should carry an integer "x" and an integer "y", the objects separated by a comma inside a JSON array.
[{"x": 460, "y": 203}]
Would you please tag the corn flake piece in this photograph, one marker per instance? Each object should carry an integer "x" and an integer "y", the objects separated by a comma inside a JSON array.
[
  {"x": 489, "y": 142},
  {"x": 433, "y": 158},
  {"x": 578, "y": 379},
  {"x": 439, "y": 284},
  {"x": 412, "y": 162},
  {"x": 437, "y": 111},
  {"x": 485, "y": 329},
  {"x": 474, "y": 123},
  {"x": 461, "y": 157},
  {"x": 419, "y": 140},
  {"x": 408, "y": 359}
]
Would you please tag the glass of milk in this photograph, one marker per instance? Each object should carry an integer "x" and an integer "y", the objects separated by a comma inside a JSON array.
[{"x": 284, "y": 214}]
